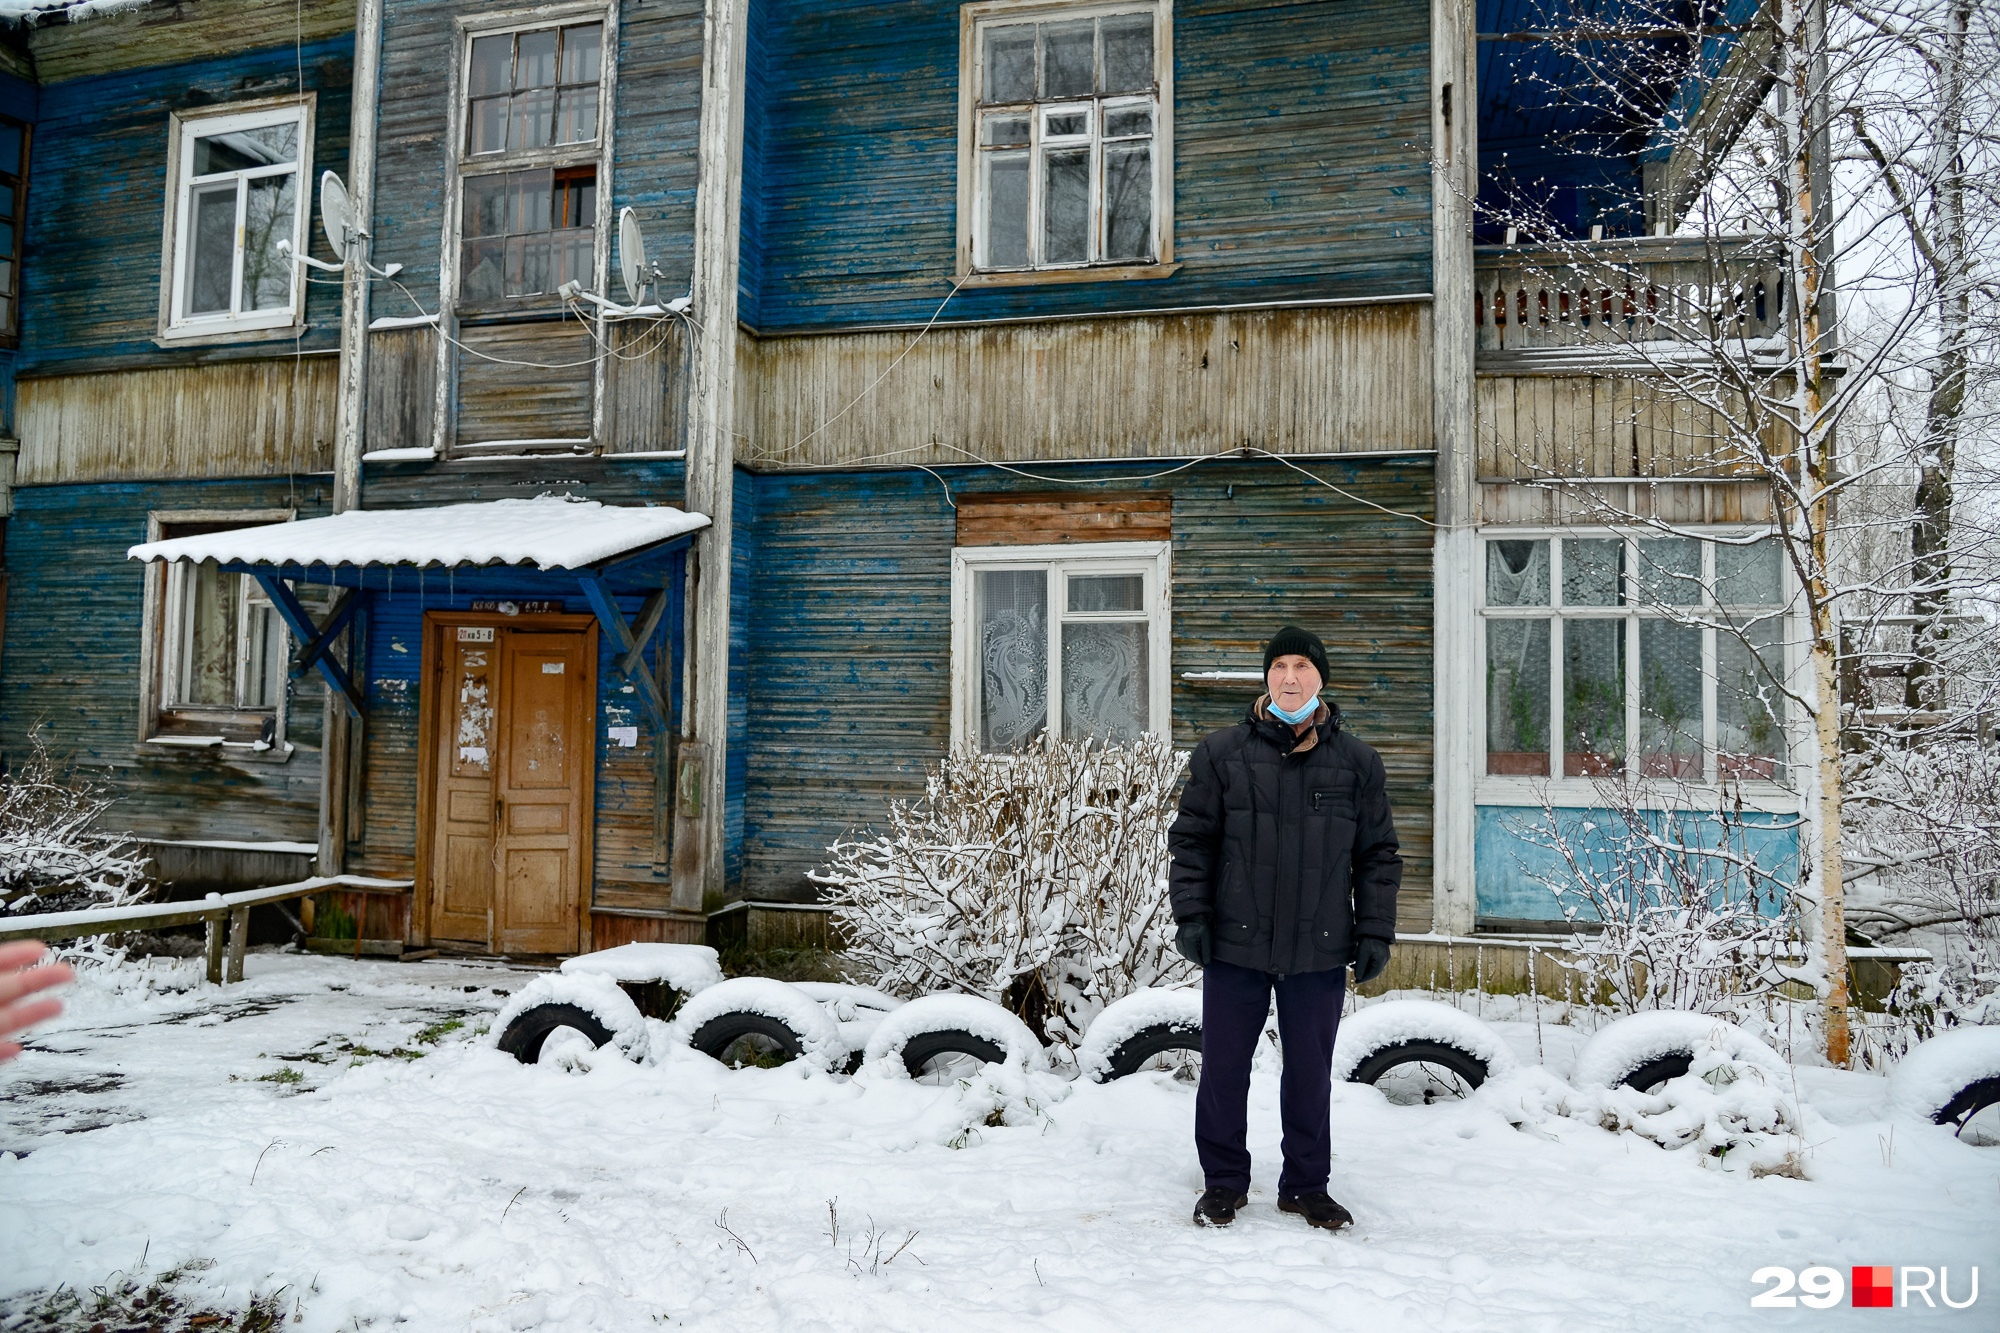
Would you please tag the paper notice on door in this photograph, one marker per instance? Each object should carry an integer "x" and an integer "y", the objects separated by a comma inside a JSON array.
[
  {"x": 552, "y": 668},
  {"x": 625, "y": 738}
]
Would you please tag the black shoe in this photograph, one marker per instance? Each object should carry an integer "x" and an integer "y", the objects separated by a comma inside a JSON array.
[
  {"x": 1217, "y": 1206},
  {"x": 1317, "y": 1209}
]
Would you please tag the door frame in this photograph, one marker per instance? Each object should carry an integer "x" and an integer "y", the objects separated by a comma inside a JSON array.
[{"x": 429, "y": 682}]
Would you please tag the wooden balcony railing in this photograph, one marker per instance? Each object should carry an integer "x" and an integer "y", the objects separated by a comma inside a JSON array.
[{"x": 1607, "y": 295}]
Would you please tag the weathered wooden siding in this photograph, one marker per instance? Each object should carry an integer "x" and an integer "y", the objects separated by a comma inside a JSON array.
[
  {"x": 1323, "y": 380},
  {"x": 849, "y": 635},
  {"x": 263, "y": 418},
  {"x": 524, "y": 382},
  {"x": 171, "y": 32},
  {"x": 402, "y": 388},
  {"x": 73, "y": 641},
  {"x": 1299, "y": 161},
  {"x": 91, "y": 276}
]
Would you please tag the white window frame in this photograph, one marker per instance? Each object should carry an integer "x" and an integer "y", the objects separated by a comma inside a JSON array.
[
  {"x": 975, "y": 19},
  {"x": 184, "y": 127},
  {"x": 1762, "y": 794},
  {"x": 1152, "y": 559},
  {"x": 167, "y": 728}
]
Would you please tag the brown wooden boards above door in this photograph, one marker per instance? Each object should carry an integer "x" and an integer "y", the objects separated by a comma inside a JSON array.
[{"x": 511, "y": 756}]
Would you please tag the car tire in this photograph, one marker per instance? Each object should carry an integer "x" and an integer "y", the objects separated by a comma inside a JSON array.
[
  {"x": 1376, "y": 1063},
  {"x": 718, "y": 1034},
  {"x": 530, "y": 1028},
  {"x": 1148, "y": 1042}
]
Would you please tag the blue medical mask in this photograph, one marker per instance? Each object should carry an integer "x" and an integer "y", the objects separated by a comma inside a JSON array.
[{"x": 1306, "y": 710}]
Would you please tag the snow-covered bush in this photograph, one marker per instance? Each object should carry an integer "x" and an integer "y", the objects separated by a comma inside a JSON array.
[
  {"x": 1037, "y": 881},
  {"x": 52, "y": 858},
  {"x": 1691, "y": 909}
]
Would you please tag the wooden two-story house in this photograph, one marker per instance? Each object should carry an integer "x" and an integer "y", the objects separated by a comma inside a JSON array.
[{"x": 993, "y": 367}]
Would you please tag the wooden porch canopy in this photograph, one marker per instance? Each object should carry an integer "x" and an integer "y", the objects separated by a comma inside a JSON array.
[{"x": 605, "y": 548}]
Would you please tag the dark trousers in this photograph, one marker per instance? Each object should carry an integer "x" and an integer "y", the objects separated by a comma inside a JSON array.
[{"x": 1234, "y": 1002}]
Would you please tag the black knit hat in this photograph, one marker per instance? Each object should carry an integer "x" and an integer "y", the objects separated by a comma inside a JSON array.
[{"x": 1292, "y": 639}]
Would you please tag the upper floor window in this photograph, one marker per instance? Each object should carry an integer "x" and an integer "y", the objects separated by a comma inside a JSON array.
[
  {"x": 235, "y": 219},
  {"x": 1068, "y": 146},
  {"x": 13, "y": 214},
  {"x": 1654, "y": 657},
  {"x": 528, "y": 201}
]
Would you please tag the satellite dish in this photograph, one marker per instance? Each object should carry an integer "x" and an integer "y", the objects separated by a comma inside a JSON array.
[
  {"x": 631, "y": 255},
  {"x": 336, "y": 213}
]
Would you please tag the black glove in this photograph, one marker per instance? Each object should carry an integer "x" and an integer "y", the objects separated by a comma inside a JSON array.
[
  {"x": 1371, "y": 956},
  {"x": 1192, "y": 940}
]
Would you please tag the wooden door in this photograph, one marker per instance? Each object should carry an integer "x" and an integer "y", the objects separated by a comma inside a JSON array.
[
  {"x": 512, "y": 758},
  {"x": 462, "y": 842},
  {"x": 544, "y": 763}
]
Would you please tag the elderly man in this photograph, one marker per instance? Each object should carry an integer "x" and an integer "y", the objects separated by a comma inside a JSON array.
[{"x": 1285, "y": 871}]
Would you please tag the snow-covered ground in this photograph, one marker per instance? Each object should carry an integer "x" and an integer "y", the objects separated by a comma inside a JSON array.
[{"x": 413, "y": 1176}]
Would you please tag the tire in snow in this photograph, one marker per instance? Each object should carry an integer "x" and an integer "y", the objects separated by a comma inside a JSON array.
[
  {"x": 592, "y": 1005},
  {"x": 1645, "y": 1049},
  {"x": 758, "y": 1021},
  {"x": 1950, "y": 1078},
  {"x": 932, "y": 1026},
  {"x": 1378, "y": 1039},
  {"x": 1141, "y": 1026}
]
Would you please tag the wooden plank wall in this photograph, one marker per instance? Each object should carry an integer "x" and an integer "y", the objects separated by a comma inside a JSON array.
[
  {"x": 1323, "y": 380},
  {"x": 227, "y": 419},
  {"x": 524, "y": 382},
  {"x": 73, "y": 642},
  {"x": 95, "y": 210},
  {"x": 1597, "y": 426},
  {"x": 1301, "y": 134},
  {"x": 177, "y": 31},
  {"x": 849, "y": 635},
  {"x": 402, "y": 387}
]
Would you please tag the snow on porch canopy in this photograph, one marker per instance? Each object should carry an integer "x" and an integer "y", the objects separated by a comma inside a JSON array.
[{"x": 596, "y": 542}]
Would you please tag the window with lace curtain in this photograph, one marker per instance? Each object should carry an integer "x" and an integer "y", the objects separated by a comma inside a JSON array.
[
  {"x": 1656, "y": 657},
  {"x": 1058, "y": 639}
]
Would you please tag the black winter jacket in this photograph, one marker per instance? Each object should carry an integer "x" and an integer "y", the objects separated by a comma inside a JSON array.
[{"x": 1286, "y": 843}]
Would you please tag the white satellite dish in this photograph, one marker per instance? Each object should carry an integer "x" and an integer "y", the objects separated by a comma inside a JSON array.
[
  {"x": 632, "y": 267},
  {"x": 336, "y": 213}
]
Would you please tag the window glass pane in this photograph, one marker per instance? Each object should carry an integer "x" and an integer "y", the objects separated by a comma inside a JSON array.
[
  {"x": 212, "y": 255},
  {"x": 574, "y": 253},
  {"x": 1748, "y": 575},
  {"x": 1669, "y": 571},
  {"x": 528, "y": 195},
  {"x": 535, "y": 59},
  {"x": 1013, "y": 657},
  {"x": 1517, "y": 697},
  {"x": 1750, "y": 742},
  {"x": 1590, "y": 571},
  {"x": 1010, "y": 64},
  {"x": 7, "y": 203},
  {"x": 528, "y": 265},
  {"x": 1007, "y": 131},
  {"x": 264, "y": 658},
  {"x": 6, "y": 283},
  {"x": 1069, "y": 58},
  {"x": 533, "y": 120},
  {"x": 480, "y": 273},
  {"x": 267, "y": 220},
  {"x": 241, "y": 150},
  {"x": 1517, "y": 573},
  {"x": 1593, "y": 696},
  {"x": 1007, "y": 210},
  {"x": 488, "y": 130},
  {"x": 577, "y": 120},
  {"x": 575, "y": 202},
  {"x": 1072, "y": 123},
  {"x": 7, "y": 239},
  {"x": 1066, "y": 206},
  {"x": 1107, "y": 592},
  {"x": 1128, "y": 202},
  {"x": 1669, "y": 700},
  {"x": 10, "y": 149},
  {"x": 1104, "y": 681},
  {"x": 1127, "y": 121},
  {"x": 580, "y": 46},
  {"x": 485, "y": 212},
  {"x": 207, "y": 637},
  {"x": 1128, "y": 53},
  {"x": 491, "y": 70}
]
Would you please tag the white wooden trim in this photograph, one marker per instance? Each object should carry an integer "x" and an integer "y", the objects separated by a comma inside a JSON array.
[
  {"x": 1154, "y": 559},
  {"x": 182, "y": 128}
]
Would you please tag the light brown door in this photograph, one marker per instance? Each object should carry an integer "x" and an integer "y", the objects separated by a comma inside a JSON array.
[
  {"x": 462, "y": 845},
  {"x": 544, "y": 761},
  {"x": 513, "y": 760}
]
